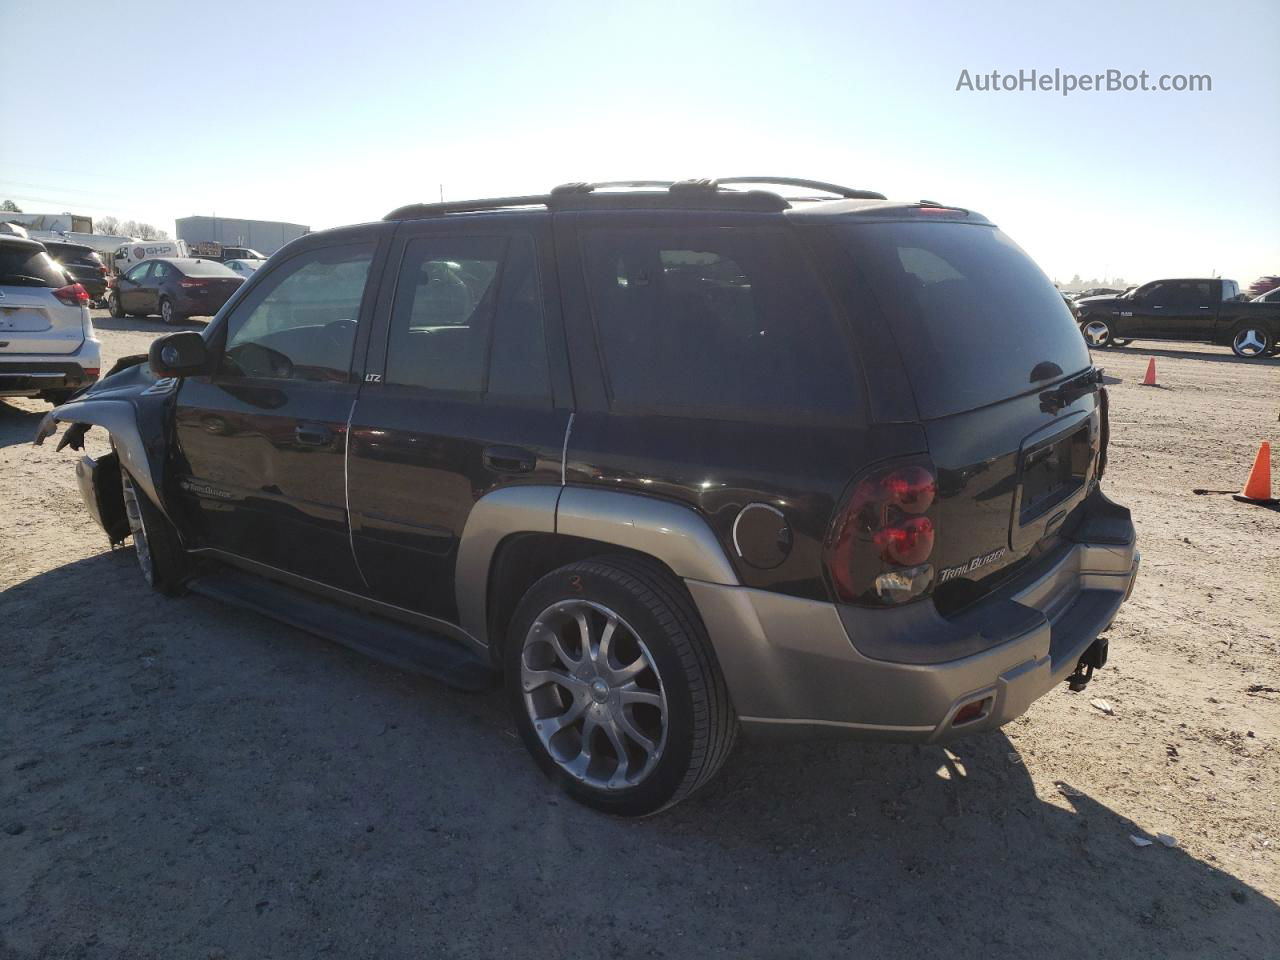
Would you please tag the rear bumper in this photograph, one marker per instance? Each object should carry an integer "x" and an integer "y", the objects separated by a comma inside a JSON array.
[
  {"x": 29, "y": 375},
  {"x": 794, "y": 669}
]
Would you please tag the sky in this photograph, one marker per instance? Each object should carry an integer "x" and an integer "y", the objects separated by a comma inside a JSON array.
[{"x": 327, "y": 113}]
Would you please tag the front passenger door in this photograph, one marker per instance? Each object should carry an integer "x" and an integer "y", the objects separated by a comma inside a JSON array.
[
  {"x": 129, "y": 287},
  {"x": 264, "y": 439}
]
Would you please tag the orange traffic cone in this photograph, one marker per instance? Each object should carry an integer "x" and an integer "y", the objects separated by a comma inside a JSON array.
[
  {"x": 1150, "y": 379},
  {"x": 1257, "y": 489}
]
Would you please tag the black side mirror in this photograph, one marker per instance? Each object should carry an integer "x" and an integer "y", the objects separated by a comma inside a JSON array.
[{"x": 180, "y": 355}]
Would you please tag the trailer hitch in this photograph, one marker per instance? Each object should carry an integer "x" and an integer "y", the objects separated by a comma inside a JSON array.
[{"x": 1095, "y": 658}]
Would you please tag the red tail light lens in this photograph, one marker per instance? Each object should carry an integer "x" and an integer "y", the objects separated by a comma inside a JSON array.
[
  {"x": 189, "y": 282},
  {"x": 72, "y": 295},
  {"x": 912, "y": 488},
  {"x": 879, "y": 545},
  {"x": 907, "y": 543}
]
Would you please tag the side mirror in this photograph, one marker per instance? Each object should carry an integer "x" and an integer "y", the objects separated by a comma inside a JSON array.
[{"x": 180, "y": 355}]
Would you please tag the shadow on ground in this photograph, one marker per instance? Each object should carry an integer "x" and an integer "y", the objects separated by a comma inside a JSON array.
[
  {"x": 18, "y": 425},
  {"x": 196, "y": 781},
  {"x": 152, "y": 325}
]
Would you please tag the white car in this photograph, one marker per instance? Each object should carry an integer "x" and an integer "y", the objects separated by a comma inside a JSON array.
[
  {"x": 243, "y": 268},
  {"x": 48, "y": 348},
  {"x": 1271, "y": 296}
]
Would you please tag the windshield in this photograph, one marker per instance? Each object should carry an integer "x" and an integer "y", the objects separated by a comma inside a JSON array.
[{"x": 974, "y": 318}]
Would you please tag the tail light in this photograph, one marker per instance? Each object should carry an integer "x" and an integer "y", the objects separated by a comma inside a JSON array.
[
  {"x": 102, "y": 269},
  {"x": 72, "y": 295},
  {"x": 879, "y": 546},
  {"x": 189, "y": 282}
]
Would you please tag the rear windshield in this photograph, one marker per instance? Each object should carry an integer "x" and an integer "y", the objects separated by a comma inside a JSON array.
[
  {"x": 75, "y": 257},
  {"x": 974, "y": 318},
  {"x": 207, "y": 268},
  {"x": 23, "y": 266}
]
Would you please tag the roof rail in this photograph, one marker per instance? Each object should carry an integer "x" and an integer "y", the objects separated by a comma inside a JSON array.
[
  {"x": 641, "y": 194},
  {"x": 421, "y": 211},
  {"x": 848, "y": 193}
]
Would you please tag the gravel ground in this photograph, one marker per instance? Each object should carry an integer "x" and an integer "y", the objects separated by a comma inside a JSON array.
[{"x": 179, "y": 779}]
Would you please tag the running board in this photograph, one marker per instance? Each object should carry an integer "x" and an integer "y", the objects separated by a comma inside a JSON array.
[{"x": 391, "y": 643}]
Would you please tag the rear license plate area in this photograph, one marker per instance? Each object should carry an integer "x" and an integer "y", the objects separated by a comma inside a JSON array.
[{"x": 1052, "y": 472}]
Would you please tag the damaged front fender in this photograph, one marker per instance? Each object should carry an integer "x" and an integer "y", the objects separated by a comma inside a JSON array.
[{"x": 134, "y": 407}]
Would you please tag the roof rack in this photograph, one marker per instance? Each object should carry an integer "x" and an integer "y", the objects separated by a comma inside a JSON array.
[
  {"x": 848, "y": 193},
  {"x": 641, "y": 194}
]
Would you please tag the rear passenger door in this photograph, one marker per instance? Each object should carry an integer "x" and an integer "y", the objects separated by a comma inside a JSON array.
[
  {"x": 466, "y": 391},
  {"x": 150, "y": 291}
]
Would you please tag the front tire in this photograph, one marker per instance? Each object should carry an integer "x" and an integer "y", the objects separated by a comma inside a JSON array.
[
  {"x": 1250, "y": 341},
  {"x": 113, "y": 304},
  {"x": 615, "y": 688},
  {"x": 1096, "y": 332},
  {"x": 163, "y": 563}
]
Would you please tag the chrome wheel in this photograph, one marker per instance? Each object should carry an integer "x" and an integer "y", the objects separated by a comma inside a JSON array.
[
  {"x": 166, "y": 311},
  {"x": 1096, "y": 333},
  {"x": 1250, "y": 342},
  {"x": 140, "y": 544},
  {"x": 593, "y": 694}
]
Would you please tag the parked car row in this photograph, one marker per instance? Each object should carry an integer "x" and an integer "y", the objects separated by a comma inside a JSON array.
[{"x": 1188, "y": 309}]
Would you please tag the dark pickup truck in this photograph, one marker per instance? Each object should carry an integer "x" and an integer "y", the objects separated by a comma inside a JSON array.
[{"x": 1208, "y": 311}]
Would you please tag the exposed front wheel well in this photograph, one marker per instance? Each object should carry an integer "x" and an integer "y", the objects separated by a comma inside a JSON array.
[{"x": 522, "y": 559}]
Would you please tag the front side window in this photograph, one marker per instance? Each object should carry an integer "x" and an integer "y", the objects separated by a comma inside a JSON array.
[
  {"x": 467, "y": 318},
  {"x": 139, "y": 273},
  {"x": 300, "y": 324},
  {"x": 727, "y": 323}
]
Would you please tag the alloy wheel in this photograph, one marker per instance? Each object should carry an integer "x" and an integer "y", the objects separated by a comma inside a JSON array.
[
  {"x": 593, "y": 694},
  {"x": 141, "y": 546},
  {"x": 166, "y": 311},
  {"x": 1249, "y": 342},
  {"x": 1097, "y": 333}
]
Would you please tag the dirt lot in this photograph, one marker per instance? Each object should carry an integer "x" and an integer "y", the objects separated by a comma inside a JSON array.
[{"x": 178, "y": 779}]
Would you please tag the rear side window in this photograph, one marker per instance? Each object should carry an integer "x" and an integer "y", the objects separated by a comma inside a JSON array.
[
  {"x": 23, "y": 266},
  {"x": 975, "y": 320},
  {"x": 468, "y": 318},
  {"x": 728, "y": 323}
]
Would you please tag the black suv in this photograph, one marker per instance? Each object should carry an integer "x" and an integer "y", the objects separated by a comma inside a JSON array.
[
  {"x": 675, "y": 459},
  {"x": 84, "y": 265}
]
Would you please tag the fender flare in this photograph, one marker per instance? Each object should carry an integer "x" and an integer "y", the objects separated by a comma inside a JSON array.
[{"x": 670, "y": 532}]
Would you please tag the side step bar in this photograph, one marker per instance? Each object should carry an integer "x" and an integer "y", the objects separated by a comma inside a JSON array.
[{"x": 399, "y": 646}]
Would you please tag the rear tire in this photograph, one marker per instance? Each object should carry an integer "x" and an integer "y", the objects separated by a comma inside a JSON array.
[
  {"x": 1249, "y": 341},
  {"x": 647, "y": 689},
  {"x": 167, "y": 312},
  {"x": 161, "y": 558}
]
